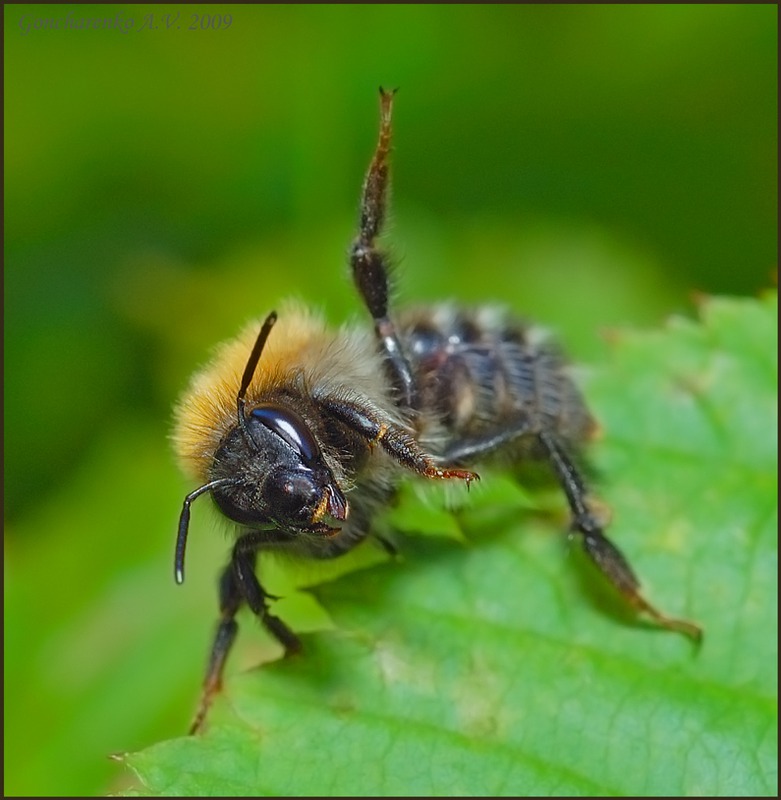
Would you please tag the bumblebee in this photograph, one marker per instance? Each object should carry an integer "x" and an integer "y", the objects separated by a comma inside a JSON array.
[{"x": 301, "y": 434}]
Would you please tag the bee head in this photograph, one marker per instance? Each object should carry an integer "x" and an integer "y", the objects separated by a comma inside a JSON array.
[
  {"x": 272, "y": 474},
  {"x": 269, "y": 471}
]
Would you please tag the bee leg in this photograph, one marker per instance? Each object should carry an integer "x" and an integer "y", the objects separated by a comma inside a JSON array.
[
  {"x": 369, "y": 264},
  {"x": 393, "y": 439},
  {"x": 243, "y": 563},
  {"x": 238, "y": 584},
  {"x": 230, "y": 602},
  {"x": 468, "y": 450},
  {"x": 606, "y": 556},
  {"x": 387, "y": 545}
]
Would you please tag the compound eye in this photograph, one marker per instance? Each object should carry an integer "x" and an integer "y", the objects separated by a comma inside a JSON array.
[{"x": 290, "y": 428}]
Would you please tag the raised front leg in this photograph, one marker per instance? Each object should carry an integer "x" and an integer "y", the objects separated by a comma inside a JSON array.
[{"x": 370, "y": 265}]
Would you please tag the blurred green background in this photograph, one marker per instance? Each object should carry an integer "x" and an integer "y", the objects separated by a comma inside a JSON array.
[{"x": 593, "y": 165}]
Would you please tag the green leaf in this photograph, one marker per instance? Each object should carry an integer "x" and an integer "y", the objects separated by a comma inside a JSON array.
[{"x": 500, "y": 664}]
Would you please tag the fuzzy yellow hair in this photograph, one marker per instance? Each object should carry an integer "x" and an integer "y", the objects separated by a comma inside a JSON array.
[{"x": 301, "y": 348}]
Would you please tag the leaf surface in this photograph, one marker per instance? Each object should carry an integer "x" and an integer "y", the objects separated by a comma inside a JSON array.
[{"x": 492, "y": 660}]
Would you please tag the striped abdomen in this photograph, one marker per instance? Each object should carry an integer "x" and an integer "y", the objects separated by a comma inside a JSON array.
[{"x": 479, "y": 370}]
